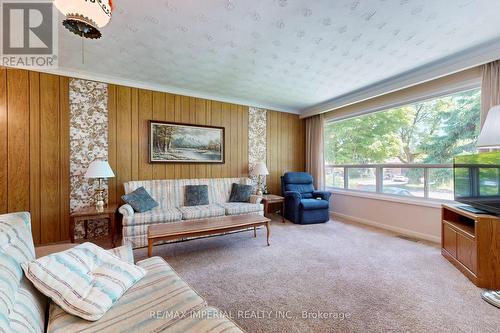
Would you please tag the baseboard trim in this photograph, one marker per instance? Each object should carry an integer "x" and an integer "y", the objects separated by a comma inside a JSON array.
[{"x": 379, "y": 225}]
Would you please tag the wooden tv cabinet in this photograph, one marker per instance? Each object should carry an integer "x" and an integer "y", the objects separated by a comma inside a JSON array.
[{"x": 471, "y": 242}]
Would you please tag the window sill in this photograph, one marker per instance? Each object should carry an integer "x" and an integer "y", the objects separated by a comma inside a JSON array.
[{"x": 432, "y": 203}]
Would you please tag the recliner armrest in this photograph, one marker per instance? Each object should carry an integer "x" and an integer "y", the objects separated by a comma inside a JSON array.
[
  {"x": 126, "y": 210},
  {"x": 324, "y": 195},
  {"x": 294, "y": 196}
]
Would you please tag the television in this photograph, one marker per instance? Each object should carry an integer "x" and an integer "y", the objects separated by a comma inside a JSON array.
[{"x": 477, "y": 181}]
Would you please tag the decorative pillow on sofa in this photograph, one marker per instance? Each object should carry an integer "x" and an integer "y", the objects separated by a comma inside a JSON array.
[
  {"x": 240, "y": 193},
  {"x": 196, "y": 195},
  {"x": 84, "y": 281},
  {"x": 140, "y": 200}
]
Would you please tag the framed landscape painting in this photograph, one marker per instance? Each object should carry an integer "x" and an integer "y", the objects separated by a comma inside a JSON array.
[{"x": 185, "y": 143}]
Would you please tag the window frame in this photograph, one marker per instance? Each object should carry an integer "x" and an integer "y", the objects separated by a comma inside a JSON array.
[{"x": 379, "y": 167}]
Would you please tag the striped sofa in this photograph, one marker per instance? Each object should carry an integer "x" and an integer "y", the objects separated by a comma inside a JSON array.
[
  {"x": 170, "y": 196},
  {"x": 160, "y": 302}
]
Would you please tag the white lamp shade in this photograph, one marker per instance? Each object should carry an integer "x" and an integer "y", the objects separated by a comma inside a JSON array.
[
  {"x": 99, "y": 169},
  {"x": 490, "y": 133},
  {"x": 97, "y": 11},
  {"x": 260, "y": 169}
]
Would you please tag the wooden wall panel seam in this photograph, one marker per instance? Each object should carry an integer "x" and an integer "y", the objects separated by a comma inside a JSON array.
[{"x": 4, "y": 176}]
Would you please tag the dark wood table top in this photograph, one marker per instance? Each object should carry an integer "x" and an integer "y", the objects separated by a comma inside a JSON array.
[
  {"x": 272, "y": 197},
  {"x": 215, "y": 223},
  {"x": 110, "y": 209}
]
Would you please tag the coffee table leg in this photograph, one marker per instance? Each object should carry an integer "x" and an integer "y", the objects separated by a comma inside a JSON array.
[
  {"x": 268, "y": 227},
  {"x": 255, "y": 232},
  {"x": 150, "y": 248}
]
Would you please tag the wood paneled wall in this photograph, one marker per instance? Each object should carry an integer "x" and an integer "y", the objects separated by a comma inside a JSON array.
[
  {"x": 34, "y": 144},
  {"x": 285, "y": 147},
  {"x": 129, "y": 112},
  {"x": 131, "y": 108},
  {"x": 34, "y": 150}
]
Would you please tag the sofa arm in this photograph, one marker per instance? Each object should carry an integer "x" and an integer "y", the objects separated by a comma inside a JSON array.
[
  {"x": 324, "y": 195},
  {"x": 255, "y": 199},
  {"x": 126, "y": 210}
]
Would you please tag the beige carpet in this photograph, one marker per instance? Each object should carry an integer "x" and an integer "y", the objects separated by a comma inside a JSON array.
[{"x": 358, "y": 278}]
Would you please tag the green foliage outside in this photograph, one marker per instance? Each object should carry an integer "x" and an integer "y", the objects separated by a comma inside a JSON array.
[{"x": 428, "y": 132}]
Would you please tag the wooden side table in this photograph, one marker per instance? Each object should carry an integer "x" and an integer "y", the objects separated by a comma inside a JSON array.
[
  {"x": 272, "y": 198},
  {"x": 91, "y": 213}
]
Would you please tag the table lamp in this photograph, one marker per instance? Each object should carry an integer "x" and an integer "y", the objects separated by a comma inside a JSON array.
[
  {"x": 260, "y": 170},
  {"x": 99, "y": 170},
  {"x": 490, "y": 134}
]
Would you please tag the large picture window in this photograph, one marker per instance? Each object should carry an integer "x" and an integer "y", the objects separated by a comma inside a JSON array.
[{"x": 404, "y": 151}]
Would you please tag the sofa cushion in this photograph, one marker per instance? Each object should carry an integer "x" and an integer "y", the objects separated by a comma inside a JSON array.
[
  {"x": 124, "y": 252},
  {"x": 165, "y": 191},
  {"x": 157, "y": 215},
  {"x": 311, "y": 204},
  {"x": 28, "y": 313},
  {"x": 85, "y": 280},
  {"x": 169, "y": 193},
  {"x": 240, "y": 193},
  {"x": 238, "y": 208},
  {"x": 140, "y": 200},
  {"x": 146, "y": 307},
  {"x": 206, "y": 320},
  {"x": 22, "y": 308},
  {"x": 196, "y": 195},
  {"x": 200, "y": 212}
]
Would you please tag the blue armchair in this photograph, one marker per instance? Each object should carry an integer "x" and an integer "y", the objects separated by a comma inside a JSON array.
[{"x": 303, "y": 204}]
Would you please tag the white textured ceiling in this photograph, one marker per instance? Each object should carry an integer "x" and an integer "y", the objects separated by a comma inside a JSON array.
[{"x": 282, "y": 54}]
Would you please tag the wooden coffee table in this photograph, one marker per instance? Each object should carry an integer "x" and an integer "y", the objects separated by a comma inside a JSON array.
[{"x": 205, "y": 227}]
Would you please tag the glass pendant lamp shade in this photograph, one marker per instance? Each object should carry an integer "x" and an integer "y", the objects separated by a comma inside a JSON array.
[{"x": 85, "y": 18}]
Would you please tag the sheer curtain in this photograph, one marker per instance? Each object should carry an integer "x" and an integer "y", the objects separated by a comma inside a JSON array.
[
  {"x": 490, "y": 88},
  {"x": 315, "y": 162}
]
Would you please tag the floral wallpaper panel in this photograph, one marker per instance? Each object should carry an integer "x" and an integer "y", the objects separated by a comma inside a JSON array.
[
  {"x": 257, "y": 138},
  {"x": 88, "y": 142}
]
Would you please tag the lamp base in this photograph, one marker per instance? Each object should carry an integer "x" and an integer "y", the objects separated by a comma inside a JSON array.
[
  {"x": 99, "y": 198},
  {"x": 99, "y": 206}
]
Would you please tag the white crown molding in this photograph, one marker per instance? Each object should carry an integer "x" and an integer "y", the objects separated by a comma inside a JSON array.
[
  {"x": 78, "y": 74},
  {"x": 472, "y": 57}
]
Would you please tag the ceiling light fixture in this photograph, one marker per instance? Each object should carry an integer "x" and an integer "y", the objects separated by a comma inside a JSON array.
[{"x": 85, "y": 17}]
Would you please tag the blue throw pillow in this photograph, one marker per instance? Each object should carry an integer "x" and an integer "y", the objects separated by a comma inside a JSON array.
[
  {"x": 140, "y": 200},
  {"x": 240, "y": 193},
  {"x": 196, "y": 195}
]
